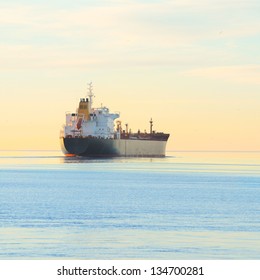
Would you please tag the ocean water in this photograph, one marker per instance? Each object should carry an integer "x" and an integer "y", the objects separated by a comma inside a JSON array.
[{"x": 188, "y": 205}]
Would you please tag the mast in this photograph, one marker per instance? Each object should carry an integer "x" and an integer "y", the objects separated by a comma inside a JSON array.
[
  {"x": 151, "y": 126},
  {"x": 90, "y": 94}
]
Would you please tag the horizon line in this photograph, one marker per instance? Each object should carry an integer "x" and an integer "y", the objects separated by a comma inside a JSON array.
[{"x": 191, "y": 151}]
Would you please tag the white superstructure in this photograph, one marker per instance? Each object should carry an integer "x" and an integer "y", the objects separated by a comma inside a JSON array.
[{"x": 90, "y": 122}]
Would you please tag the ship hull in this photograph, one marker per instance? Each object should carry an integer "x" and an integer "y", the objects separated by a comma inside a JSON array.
[{"x": 93, "y": 147}]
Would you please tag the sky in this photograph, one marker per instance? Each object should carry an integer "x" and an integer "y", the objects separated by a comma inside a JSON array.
[{"x": 193, "y": 66}]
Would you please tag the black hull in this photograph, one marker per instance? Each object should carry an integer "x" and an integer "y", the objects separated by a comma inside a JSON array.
[
  {"x": 94, "y": 147},
  {"x": 89, "y": 147}
]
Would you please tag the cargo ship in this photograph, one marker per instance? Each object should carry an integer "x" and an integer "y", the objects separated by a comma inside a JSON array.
[{"x": 93, "y": 132}]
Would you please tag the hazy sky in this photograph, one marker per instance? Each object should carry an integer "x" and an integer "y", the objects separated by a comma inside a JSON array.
[{"x": 193, "y": 66}]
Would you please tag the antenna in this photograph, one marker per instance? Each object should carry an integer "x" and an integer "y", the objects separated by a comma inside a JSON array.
[{"x": 90, "y": 93}]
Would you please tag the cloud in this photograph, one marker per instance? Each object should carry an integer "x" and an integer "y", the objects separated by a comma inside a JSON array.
[
  {"x": 134, "y": 17},
  {"x": 248, "y": 74},
  {"x": 128, "y": 32}
]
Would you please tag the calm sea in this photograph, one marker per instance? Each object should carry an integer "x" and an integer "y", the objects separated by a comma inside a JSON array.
[{"x": 188, "y": 205}]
